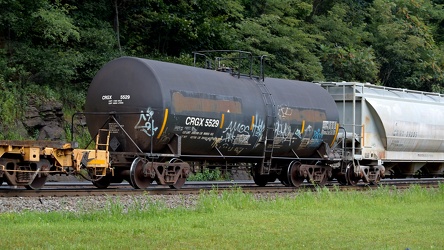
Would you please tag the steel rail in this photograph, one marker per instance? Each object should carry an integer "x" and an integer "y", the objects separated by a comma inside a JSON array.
[{"x": 85, "y": 189}]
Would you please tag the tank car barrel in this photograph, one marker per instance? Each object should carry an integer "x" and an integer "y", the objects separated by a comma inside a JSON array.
[{"x": 168, "y": 110}]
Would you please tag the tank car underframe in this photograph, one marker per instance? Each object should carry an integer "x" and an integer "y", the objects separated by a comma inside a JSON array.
[
  {"x": 295, "y": 172},
  {"x": 356, "y": 171},
  {"x": 140, "y": 169},
  {"x": 351, "y": 169},
  {"x": 171, "y": 168}
]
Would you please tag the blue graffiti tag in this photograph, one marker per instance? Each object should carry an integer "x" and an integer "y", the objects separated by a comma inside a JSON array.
[{"x": 318, "y": 134}]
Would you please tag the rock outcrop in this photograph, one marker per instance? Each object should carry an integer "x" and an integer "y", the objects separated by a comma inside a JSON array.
[{"x": 46, "y": 119}]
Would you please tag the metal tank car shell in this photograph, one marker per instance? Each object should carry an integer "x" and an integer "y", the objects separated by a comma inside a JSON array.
[
  {"x": 163, "y": 109},
  {"x": 154, "y": 101}
]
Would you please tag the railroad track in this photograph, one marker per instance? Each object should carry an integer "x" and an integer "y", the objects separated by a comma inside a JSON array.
[{"x": 76, "y": 189}]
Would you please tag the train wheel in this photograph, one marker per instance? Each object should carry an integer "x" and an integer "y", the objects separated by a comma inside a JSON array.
[
  {"x": 341, "y": 180},
  {"x": 351, "y": 176},
  {"x": 284, "y": 181},
  {"x": 137, "y": 177},
  {"x": 272, "y": 178},
  {"x": 116, "y": 179},
  {"x": 37, "y": 183},
  {"x": 293, "y": 174},
  {"x": 376, "y": 181},
  {"x": 40, "y": 178},
  {"x": 323, "y": 181},
  {"x": 260, "y": 180},
  {"x": 103, "y": 182},
  {"x": 339, "y": 176},
  {"x": 179, "y": 183},
  {"x": 283, "y": 177}
]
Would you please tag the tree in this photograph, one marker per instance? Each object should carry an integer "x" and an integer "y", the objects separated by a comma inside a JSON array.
[
  {"x": 175, "y": 27},
  {"x": 346, "y": 53},
  {"x": 404, "y": 38},
  {"x": 37, "y": 35},
  {"x": 281, "y": 33}
]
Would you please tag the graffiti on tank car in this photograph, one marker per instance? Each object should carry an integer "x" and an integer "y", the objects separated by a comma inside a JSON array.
[
  {"x": 241, "y": 140},
  {"x": 308, "y": 132},
  {"x": 236, "y": 139},
  {"x": 216, "y": 142},
  {"x": 317, "y": 134},
  {"x": 285, "y": 112},
  {"x": 312, "y": 138},
  {"x": 236, "y": 150},
  {"x": 237, "y": 128},
  {"x": 258, "y": 128},
  {"x": 282, "y": 132},
  {"x": 329, "y": 127},
  {"x": 146, "y": 122},
  {"x": 306, "y": 137},
  {"x": 298, "y": 134},
  {"x": 236, "y": 133}
]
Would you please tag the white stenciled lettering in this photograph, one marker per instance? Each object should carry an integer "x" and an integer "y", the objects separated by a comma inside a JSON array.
[
  {"x": 107, "y": 97},
  {"x": 201, "y": 122}
]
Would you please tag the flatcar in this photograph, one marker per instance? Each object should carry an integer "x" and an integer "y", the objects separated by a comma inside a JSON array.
[{"x": 29, "y": 163}]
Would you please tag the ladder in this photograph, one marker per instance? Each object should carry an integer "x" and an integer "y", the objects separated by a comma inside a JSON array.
[
  {"x": 105, "y": 145},
  {"x": 269, "y": 130},
  {"x": 100, "y": 170}
]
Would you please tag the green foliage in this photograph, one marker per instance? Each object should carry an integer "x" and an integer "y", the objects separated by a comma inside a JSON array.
[
  {"x": 207, "y": 175},
  {"x": 405, "y": 45},
  {"x": 11, "y": 103},
  {"x": 54, "y": 25},
  {"x": 173, "y": 28},
  {"x": 280, "y": 33},
  {"x": 344, "y": 52}
]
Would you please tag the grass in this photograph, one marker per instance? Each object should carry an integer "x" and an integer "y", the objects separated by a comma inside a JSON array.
[{"x": 381, "y": 219}]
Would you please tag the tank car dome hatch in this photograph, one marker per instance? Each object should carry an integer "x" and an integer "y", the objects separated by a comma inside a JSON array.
[{"x": 213, "y": 113}]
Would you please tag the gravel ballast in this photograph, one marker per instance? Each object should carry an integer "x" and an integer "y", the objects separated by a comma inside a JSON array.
[{"x": 87, "y": 203}]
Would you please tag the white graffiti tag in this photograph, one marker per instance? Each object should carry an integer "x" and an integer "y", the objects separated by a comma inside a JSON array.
[
  {"x": 258, "y": 128},
  {"x": 237, "y": 133},
  {"x": 146, "y": 122},
  {"x": 283, "y": 132}
]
